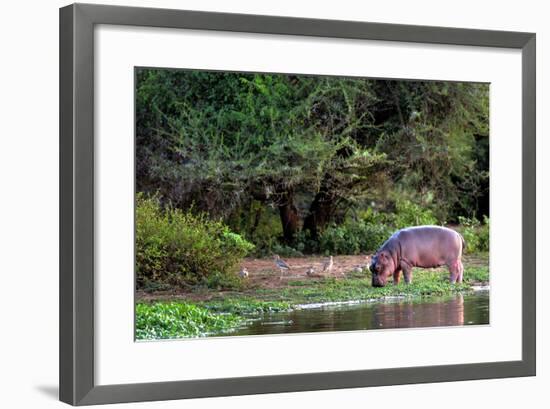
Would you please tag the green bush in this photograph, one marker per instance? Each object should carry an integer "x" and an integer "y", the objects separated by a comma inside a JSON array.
[
  {"x": 372, "y": 216},
  {"x": 353, "y": 238},
  {"x": 286, "y": 251},
  {"x": 182, "y": 248},
  {"x": 373, "y": 228},
  {"x": 484, "y": 235},
  {"x": 475, "y": 233},
  {"x": 410, "y": 214}
]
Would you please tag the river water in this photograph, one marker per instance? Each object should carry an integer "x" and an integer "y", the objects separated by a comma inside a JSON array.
[{"x": 471, "y": 309}]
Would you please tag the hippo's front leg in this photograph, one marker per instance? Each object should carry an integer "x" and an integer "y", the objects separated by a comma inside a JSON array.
[
  {"x": 407, "y": 271},
  {"x": 396, "y": 276}
]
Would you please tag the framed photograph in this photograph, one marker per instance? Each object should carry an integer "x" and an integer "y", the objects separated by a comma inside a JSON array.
[{"x": 258, "y": 204}]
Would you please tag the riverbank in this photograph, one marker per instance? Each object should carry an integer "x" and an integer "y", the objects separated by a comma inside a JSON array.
[{"x": 203, "y": 312}]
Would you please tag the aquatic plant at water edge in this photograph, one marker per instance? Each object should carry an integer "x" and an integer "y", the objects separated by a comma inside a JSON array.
[{"x": 177, "y": 320}]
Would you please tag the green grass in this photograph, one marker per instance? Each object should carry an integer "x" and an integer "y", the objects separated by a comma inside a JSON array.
[
  {"x": 425, "y": 283},
  {"x": 361, "y": 288},
  {"x": 477, "y": 275},
  {"x": 220, "y": 314}
]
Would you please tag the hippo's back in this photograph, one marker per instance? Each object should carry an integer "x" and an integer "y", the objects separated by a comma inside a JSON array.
[{"x": 427, "y": 246}]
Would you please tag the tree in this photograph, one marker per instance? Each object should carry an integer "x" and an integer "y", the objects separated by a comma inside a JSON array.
[
  {"x": 310, "y": 148},
  {"x": 437, "y": 136},
  {"x": 267, "y": 137}
]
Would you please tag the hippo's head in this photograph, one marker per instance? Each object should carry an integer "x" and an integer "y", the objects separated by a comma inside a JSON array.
[{"x": 381, "y": 267}]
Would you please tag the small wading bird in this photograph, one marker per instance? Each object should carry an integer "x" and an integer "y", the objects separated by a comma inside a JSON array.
[
  {"x": 327, "y": 266},
  {"x": 281, "y": 265},
  {"x": 243, "y": 273},
  {"x": 310, "y": 272}
]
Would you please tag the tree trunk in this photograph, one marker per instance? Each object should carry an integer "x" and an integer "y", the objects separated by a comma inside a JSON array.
[
  {"x": 320, "y": 213},
  {"x": 289, "y": 218}
]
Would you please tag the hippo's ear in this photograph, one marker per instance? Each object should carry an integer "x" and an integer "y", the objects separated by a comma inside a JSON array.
[{"x": 384, "y": 256}]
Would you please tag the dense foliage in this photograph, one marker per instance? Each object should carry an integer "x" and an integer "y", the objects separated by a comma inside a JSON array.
[{"x": 299, "y": 164}]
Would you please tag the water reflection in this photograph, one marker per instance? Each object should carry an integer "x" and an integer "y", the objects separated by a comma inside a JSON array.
[
  {"x": 432, "y": 312},
  {"x": 410, "y": 315}
]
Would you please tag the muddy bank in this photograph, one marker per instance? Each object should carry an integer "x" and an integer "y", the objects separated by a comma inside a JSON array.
[{"x": 266, "y": 282}]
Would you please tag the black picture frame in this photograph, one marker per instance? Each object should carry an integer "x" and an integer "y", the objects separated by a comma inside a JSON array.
[{"x": 76, "y": 344}]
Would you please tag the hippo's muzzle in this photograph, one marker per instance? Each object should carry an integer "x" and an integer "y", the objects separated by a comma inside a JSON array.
[
  {"x": 377, "y": 279},
  {"x": 378, "y": 282}
]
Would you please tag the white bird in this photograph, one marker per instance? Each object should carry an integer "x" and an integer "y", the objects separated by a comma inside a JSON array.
[
  {"x": 327, "y": 267},
  {"x": 281, "y": 265},
  {"x": 310, "y": 272},
  {"x": 243, "y": 273},
  {"x": 357, "y": 269}
]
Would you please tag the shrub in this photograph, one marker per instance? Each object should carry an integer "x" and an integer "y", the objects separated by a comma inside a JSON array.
[
  {"x": 475, "y": 233},
  {"x": 373, "y": 229},
  {"x": 410, "y": 214},
  {"x": 267, "y": 234},
  {"x": 484, "y": 235},
  {"x": 182, "y": 248},
  {"x": 284, "y": 250},
  {"x": 372, "y": 216},
  {"x": 353, "y": 238}
]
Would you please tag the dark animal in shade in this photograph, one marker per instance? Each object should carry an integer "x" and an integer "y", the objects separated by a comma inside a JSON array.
[{"x": 420, "y": 246}]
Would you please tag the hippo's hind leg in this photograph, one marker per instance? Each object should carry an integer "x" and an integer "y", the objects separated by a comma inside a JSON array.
[
  {"x": 460, "y": 271},
  {"x": 456, "y": 270}
]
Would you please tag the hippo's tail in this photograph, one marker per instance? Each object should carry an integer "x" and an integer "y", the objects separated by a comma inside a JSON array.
[{"x": 463, "y": 242}]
